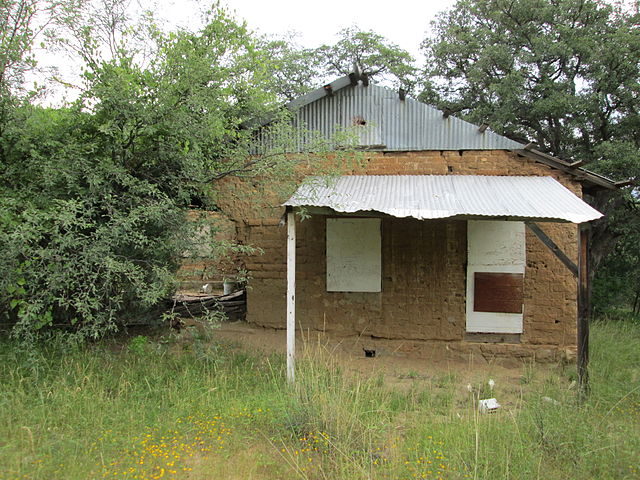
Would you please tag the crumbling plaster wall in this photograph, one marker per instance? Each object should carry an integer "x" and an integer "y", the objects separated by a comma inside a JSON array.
[{"x": 424, "y": 264}]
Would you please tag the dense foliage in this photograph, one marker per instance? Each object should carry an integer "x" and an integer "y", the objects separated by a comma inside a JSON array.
[
  {"x": 93, "y": 196},
  {"x": 561, "y": 73},
  {"x": 297, "y": 70},
  {"x": 372, "y": 54}
]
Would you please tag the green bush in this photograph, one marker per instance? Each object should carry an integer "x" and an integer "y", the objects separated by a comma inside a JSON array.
[{"x": 93, "y": 197}]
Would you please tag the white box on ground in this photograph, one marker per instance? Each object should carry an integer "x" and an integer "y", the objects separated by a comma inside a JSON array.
[{"x": 489, "y": 405}]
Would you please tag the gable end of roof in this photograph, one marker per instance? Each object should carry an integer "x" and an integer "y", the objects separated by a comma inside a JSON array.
[{"x": 391, "y": 121}]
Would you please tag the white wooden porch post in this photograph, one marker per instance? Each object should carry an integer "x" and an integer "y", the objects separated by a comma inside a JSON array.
[{"x": 291, "y": 295}]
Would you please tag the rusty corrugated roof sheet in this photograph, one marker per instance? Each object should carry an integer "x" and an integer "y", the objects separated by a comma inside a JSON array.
[{"x": 445, "y": 196}]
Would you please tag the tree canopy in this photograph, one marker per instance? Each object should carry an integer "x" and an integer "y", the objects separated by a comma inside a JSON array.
[
  {"x": 370, "y": 53},
  {"x": 295, "y": 70},
  {"x": 561, "y": 73},
  {"x": 93, "y": 196}
]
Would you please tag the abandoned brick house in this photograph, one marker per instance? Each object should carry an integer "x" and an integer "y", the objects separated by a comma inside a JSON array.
[{"x": 437, "y": 239}]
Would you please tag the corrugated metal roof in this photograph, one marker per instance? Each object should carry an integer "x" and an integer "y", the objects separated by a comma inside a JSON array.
[
  {"x": 443, "y": 196},
  {"x": 391, "y": 124}
]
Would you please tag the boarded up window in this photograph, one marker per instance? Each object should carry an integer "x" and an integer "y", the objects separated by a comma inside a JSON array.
[
  {"x": 354, "y": 255},
  {"x": 498, "y": 292},
  {"x": 495, "y": 276}
]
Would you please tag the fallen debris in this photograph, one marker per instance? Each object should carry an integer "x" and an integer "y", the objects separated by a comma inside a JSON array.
[
  {"x": 489, "y": 405},
  {"x": 233, "y": 305}
]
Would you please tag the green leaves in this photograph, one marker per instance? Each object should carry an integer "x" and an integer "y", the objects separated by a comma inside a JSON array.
[
  {"x": 290, "y": 71},
  {"x": 373, "y": 54},
  {"x": 527, "y": 67},
  {"x": 93, "y": 197}
]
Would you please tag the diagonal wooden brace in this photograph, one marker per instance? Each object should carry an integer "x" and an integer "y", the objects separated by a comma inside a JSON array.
[{"x": 553, "y": 247}]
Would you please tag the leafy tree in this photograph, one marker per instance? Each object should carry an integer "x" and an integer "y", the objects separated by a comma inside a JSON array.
[
  {"x": 294, "y": 70},
  {"x": 372, "y": 54},
  {"x": 17, "y": 32},
  {"x": 561, "y": 73},
  {"x": 93, "y": 196},
  {"x": 557, "y": 72},
  {"x": 616, "y": 288},
  {"x": 21, "y": 21}
]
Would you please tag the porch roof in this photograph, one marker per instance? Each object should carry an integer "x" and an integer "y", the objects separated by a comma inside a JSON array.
[{"x": 445, "y": 196}]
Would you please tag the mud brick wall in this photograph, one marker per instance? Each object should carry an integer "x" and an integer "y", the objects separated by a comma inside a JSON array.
[
  {"x": 206, "y": 265},
  {"x": 423, "y": 263}
]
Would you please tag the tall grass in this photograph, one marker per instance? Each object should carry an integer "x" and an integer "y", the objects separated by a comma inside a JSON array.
[
  {"x": 170, "y": 408},
  {"x": 70, "y": 414}
]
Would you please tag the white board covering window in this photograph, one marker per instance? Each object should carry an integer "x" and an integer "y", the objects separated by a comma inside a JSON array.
[
  {"x": 354, "y": 255},
  {"x": 495, "y": 276}
]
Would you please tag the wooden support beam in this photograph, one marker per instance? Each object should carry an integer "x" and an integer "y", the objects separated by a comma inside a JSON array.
[
  {"x": 402, "y": 94},
  {"x": 483, "y": 127},
  {"x": 291, "y": 295},
  {"x": 625, "y": 183},
  {"x": 446, "y": 113},
  {"x": 328, "y": 90},
  {"x": 553, "y": 247},
  {"x": 564, "y": 167},
  {"x": 583, "y": 312}
]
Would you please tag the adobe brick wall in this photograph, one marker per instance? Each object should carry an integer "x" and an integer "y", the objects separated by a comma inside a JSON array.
[
  {"x": 205, "y": 265},
  {"x": 423, "y": 265}
]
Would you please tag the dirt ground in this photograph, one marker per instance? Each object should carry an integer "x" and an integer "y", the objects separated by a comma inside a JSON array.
[{"x": 402, "y": 364}]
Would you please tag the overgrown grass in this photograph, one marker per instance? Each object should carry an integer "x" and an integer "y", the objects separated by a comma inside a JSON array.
[{"x": 170, "y": 408}]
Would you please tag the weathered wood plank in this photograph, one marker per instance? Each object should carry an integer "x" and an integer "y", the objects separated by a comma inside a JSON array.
[
  {"x": 291, "y": 295},
  {"x": 498, "y": 292},
  {"x": 583, "y": 312}
]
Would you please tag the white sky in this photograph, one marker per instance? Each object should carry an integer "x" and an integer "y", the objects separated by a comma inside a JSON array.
[{"x": 403, "y": 22}]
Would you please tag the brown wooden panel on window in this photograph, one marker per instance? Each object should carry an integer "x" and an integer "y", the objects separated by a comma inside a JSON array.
[{"x": 498, "y": 292}]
